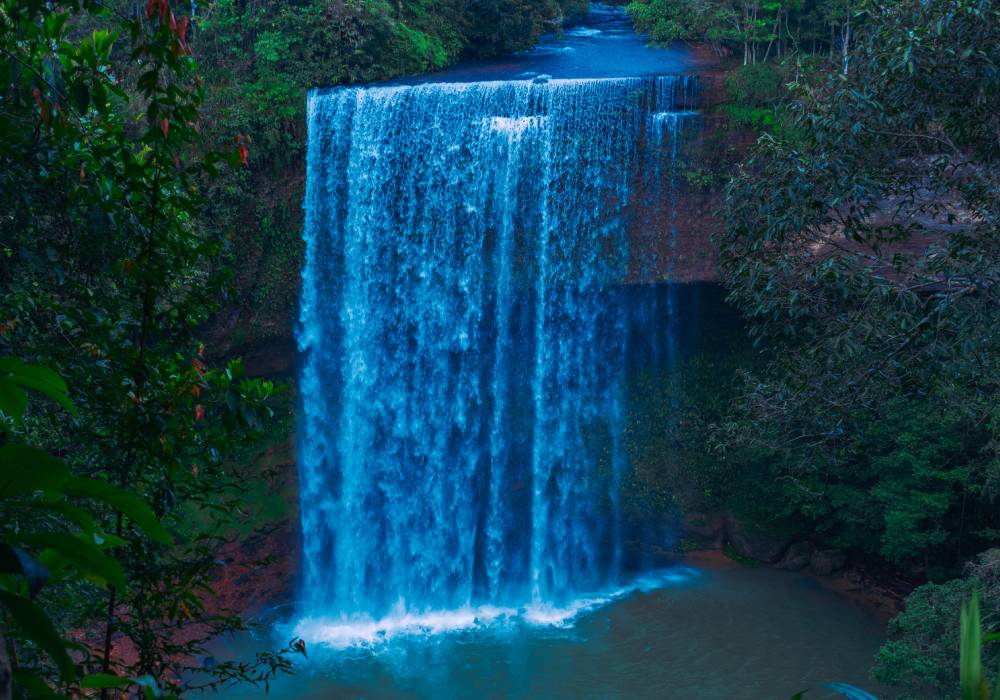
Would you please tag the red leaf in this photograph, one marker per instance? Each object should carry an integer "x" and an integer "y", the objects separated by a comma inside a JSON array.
[
  {"x": 199, "y": 412},
  {"x": 165, "y": 127}
]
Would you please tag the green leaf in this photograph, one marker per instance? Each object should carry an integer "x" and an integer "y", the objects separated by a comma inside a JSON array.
[
  {"x": 99, "y": 97},
  {"x": 50, "y": 390},
  {"x": 18, "y": 368},
  {"x": 38, "y": 688},
  {"x": 104, "y": 680},
  {"x": 14, "y": 560},
  {"x": 970, "y": 651},
  {"x": 13, "y": 400},
  {"x": 26, "y": 469},
  {"x": 84, "y": 555},
  {"x": 129, "y": 504},
  {"x": 81, "y": 96},
  {"x": 36, "y": 377},
  {"x": 38, "y": 628},
  {"x": 77, "y": 516}
]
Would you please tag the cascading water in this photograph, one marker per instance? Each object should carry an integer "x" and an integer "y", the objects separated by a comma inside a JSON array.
[{"x": 465, "y": 327}]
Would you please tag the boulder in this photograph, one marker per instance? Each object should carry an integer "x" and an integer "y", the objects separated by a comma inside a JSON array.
[
  {"x": 827, "y": 561},
  {"x": 706, "y": 530},
  {"x": 757, "y": 544},
  {"x": 797, "y": 557}
]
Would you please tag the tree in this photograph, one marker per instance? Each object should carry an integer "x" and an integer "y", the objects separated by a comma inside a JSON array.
[
  {"x": 35, "y": 488},
  {"x": 760, "y": 29},
  {"x": 107, "y": 276},
  {"x": 863, "y": 246}
]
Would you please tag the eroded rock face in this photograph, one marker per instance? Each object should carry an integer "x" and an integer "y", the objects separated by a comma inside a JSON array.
[
  {"x": 827, "y": 561},
  {"x": 797, "y": 557},
  {"x": 762, "y": 546},
  {"x": 707, "y": 530}
]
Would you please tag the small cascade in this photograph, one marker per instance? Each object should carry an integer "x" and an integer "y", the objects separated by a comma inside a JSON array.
[{"x": 466, "y": 320}]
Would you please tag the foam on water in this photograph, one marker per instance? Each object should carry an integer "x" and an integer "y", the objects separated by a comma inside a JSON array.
[
  {"x": 360, "y": 631},
  {"x": 583, "y": 31}
]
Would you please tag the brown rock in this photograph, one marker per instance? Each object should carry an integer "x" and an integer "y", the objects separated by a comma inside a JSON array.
[
  {"x": 705, "y": 529},
  {"x": 827, "y": 561},
  {"x": 797, "y": 557},
  {"x": 757, "y": 544}
]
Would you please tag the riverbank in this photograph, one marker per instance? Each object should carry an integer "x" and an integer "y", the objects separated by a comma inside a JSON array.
[
  {"x": 259, "y": 569},
  {"x": 882, "y": 598}
]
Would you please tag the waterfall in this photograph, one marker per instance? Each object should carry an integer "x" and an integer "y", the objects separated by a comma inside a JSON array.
[{"x": 465, "y": 327}]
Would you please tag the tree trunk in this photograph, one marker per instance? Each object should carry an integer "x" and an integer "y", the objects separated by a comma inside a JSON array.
[
  {"x": 6, "y": 674},
  {"x": 846, "y": 42}
]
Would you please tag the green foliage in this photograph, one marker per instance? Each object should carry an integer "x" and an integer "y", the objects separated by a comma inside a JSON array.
[
  {"x": 757, "y": 118},
  {"x": 924, "y": 644},
  {"x": 106, "y": 277},
  {"x": 760, "y": 29},
  {"x": 757, "y": 85},
  {"x": 33, "y": 482},
  {"x": 972, "y": 681},
  {"x": 862, "y": 245},
  {"x": 923, "y": 657}
]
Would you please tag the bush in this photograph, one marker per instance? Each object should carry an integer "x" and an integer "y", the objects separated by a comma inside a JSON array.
[
  {"x": 921, "y": 656},
  {"x": 757, "y": 85}
]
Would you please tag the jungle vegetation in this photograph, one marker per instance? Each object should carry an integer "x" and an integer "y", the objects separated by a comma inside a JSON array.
[
  {"x": 862, "y": 245},
  {"x": 151, "y": 177},
  {"x": 136, "y": 139}
]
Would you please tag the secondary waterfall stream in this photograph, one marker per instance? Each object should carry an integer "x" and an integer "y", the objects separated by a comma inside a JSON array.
[{"x": 464, "y": 332}]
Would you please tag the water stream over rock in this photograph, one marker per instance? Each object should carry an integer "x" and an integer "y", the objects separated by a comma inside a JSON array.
[{"x": 464, "y": 328}]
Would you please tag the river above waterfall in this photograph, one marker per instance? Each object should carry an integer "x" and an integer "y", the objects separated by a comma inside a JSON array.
[{"x": 604, "y": 46}]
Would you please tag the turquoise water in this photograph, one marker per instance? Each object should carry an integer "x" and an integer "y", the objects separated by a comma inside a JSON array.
[
  {"x": 708, "y": 633},
  {"x": 606, "y": 47}
]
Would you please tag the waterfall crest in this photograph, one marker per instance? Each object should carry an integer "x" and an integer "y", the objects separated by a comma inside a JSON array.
[{"x": 464, "y": 330}]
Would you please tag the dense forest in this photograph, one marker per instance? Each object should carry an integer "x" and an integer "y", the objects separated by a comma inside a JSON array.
[
  {"x": 151, "y": 181},
  {"x": 861, "y": 245}
]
